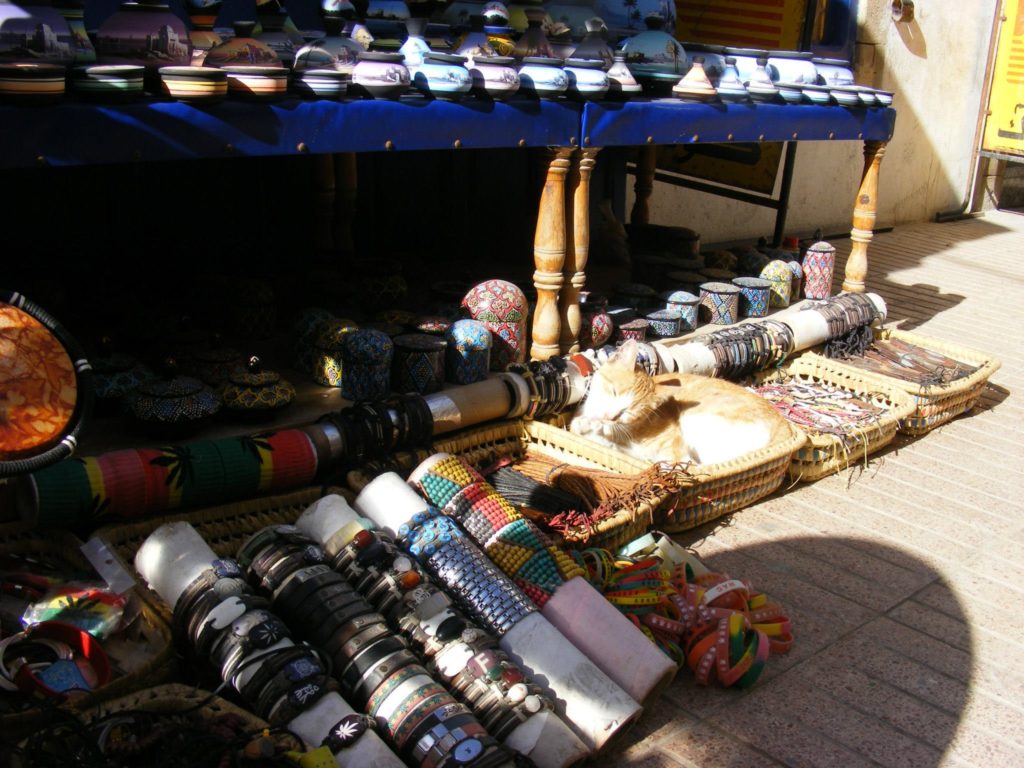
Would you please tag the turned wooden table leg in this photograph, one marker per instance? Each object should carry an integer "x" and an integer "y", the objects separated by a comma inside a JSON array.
[
  {"x": 549, "y": 255},
  {"x": 577, "y": 249},
  {"x": 863, "y": 218},
  {"x": 345, "y": 182},
  {"x": 646, "y": 161}
]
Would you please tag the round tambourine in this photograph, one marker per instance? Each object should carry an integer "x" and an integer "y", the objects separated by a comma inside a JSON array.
[{"x": 46, "y": 391}]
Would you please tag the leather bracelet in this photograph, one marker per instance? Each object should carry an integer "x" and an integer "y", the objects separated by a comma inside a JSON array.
[
  {"x": 297, "y": 700},
  {"x": 346, "y": 732},
  {"x": 341, "y": 538},
  {"x": 292, "y": 664},
  {"x": 42, "y": 682},
  {"x": 376, "y": 675},
  {"x": 255, "y": 630},
  {"x": 313, "y": 612},
  {"x": 287, "y": 675},
  {"x": 342, "y": 624},
  {"x": 215, "y": 648},
  {"x": 263, "y": 538},
  {"x": 292, "y": 559},
  {"x": 211, "y": 617},
  {"x": 302, "y": 584},
  {"x": 367, "y": 658},
  {"x": 223, "y": 572}
]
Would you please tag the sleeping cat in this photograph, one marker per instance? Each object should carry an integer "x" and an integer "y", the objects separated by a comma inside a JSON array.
[{"x": 674, "y": 417}]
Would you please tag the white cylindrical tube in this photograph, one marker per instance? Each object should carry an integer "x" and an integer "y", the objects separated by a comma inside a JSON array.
[
  {"x": 596, "y": 708},
  {"x": 665, "y": 359},
  {"x": 621, "y": 650},
  {"x": 316, "y": 723},
  {"x": 879, "y": 302},
  {"x": 548, "y": 741},
  {"x": 693, "y": 358},
  {"x": 325, "y": 516},
  {"x": 809, "y": 328},
  {"x": 470, "y": 404},
  {"x": 171, "y": 558},
  {"x": 389, "y": 502}
]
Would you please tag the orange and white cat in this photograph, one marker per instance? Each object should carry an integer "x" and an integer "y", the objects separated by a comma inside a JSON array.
[{"x": 674, "y": 417}]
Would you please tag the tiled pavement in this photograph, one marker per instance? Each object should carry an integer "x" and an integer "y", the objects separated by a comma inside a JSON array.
[{"x": 904, "y": 580}]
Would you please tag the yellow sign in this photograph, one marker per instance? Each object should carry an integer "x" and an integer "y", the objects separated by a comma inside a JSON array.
[
  {"x": 1004, "y": 126},
  {"x": 773, "y": 24}
]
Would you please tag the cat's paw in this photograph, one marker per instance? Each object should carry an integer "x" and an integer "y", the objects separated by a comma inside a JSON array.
[
  {"x": 582, "y": 425},
  {"x": 609, "y": 431}
]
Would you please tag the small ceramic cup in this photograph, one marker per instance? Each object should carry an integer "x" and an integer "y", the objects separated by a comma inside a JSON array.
[
  {"x": 720, "y": 303},
  {"x": 685, "y": 303},
  {"x": 754, "y": 292},
  {"x": 665, "y": 322}
]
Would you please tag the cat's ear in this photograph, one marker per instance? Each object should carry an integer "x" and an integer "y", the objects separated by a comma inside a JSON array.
[{"x": 625, "y": 356}]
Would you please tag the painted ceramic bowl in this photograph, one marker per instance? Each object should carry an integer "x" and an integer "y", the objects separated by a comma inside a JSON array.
[
  {"x": 494, "y": 77},
  {"x": 108, "y": 82},
  {"x": 32, "y": 83},
  {"x": 194, "y": 84},
  {"x": 334, "y": 51},
  {"x": 254, "y": 393},
  {"x": 380, "y": 75},
  {"x": 792, "y": 66},
  {"x": 833, "y": 72},
  {"x": 442, "y": 76},
  {"x": 543, "y": 77},
  {"x": 114, "y": 376},
  {"x": 257, "y": 83},
  {"x": 328, "y": 84},
  {"x": 587, "y": 78},
  {"x": 845, "y": 95},
  {"x": 146, "y": 33},
  {"x": 665, "y": 322},
  {"x": 820, "y": 95},
  {"x": 791, "y": 93},
  {"x": 634, "y": 329}
]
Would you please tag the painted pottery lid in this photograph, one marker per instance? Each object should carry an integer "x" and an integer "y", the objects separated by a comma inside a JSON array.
[
  {"x": 395, "y": 58},
  {"x": 172, "y": 399},
  {"x": 665, "y": 314},
  {"x": 500, "y": 61},
  {"x": 333, "y": 332},
  {"x": 368, "y": 346},
  {"x": 621, "y": 314},
  {"x": 585, "y": 63},
  {"x": 496, "y": 301},
  {"x": 679, "y": 297},
  {"x": 420, "y": 342},
  {"x": 752, "y": 282},
  {"x": 436, "y": 324},
  {"x": 822, "y": 247},
  {"x": 716, "y": 287},
  {"x": 117, "y": 374},
  {"x": 444, "y": 58},
  {"x": 637, "y": 324},
  {"x": 469, "y": 333},
  {"x": 777, "y": 270},
  {"x": 254, "y": 389},
  {"x": 544, "y": 61}
]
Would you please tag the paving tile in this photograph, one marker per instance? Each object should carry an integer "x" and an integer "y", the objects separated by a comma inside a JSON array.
[{"x": 706, "y": 745}]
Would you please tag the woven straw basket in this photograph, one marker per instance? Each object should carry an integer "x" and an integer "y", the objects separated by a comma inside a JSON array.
[
  {"x": 225, "y": 528},
  {"x": 172, "y": 699},
  {"x": 938, "y": 403},
  {"x": 149, "y": 632},
  {"x": 484, "y": 445},
  {"x": 824, "y": 454}
]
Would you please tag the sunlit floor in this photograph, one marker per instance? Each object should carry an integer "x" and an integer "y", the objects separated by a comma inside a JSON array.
[{"x": 904, "y": 580}]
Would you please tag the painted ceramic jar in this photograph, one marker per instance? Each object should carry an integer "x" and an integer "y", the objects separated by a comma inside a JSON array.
[
  {"x": 73, "y": 12},
  {"x": 280, "y": 34},
  {"x": 114, "y": 375},
  {"x": 685, "y": 303},
  {"x": 730, "y": 87},
  {"x": 779, "y": 275},
  {"x": 542, "y": 77},
  {"x": 596, "y": 326},
  {"x": 415, "y": 46},
  {"x": 366, "y": 355},
  {"x": 833, "y": 72},
  {"x": 656, "y": 59},
  {"x": 418, "y": 364},
  {"x": 713, "y": 56},
  {"x": 328, "y": 367},
  {"x": 256, "y": 83},
  {"x": 587, "y": 78},
  {"x": 621, "y": 83},
  {"x": 494, "y": 77},
  {"x": 760, "y": 85},
  {"x": 468, "y": 353},
  {"x": 381, "y": 75},
  {"x": 720, "y": 303},
  {"x": 792, "y": 67},
  {"x": 304, "y": 333},
  {"x": 36, "y": 33},
  {"x": 501, "y": 307},
  {"x": 144, "y": 33},
  {"x": 746, "y": 59},
  {"x": 171, "y": 406},
  {"x": 819, "y": 266},
  {"x": 634, "y": 329},
  {"x": 242, "y": 49},
  {"x": 754, "y": 293},
  {"x": 798, "y": 279},
  {"x": 442, "y": 76},
  {"x": 695, "y": 84},
  {"x": 254, "y": 393},
  {"x": 336, "y": 50},
  {"x": 329, "y": 84},
  {"x": 665, "y": 322}
]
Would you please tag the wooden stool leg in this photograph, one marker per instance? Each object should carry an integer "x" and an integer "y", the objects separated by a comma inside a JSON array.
[
  {"x": 345, "y": 181},
  {"x": 864, "y": 218},
  {"x": 577, "y": 249},
  {"x": 646, "y": 161},
  {"x": 549, "y": 255}
]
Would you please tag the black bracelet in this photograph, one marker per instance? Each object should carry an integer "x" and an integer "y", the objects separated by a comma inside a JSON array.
[
  {"x": 339, "y": 627},
  {"x": 299, "y": 698},
  {"x": 440, "y": 722},
  {"x": 366, "y": 659},
  {"x": 374, "y": 677},
  {"x": 304, "y": 582},
  {"x": 346, "y": 732},
  {"x": 300, "y": 662},
  {"x": 311, "y": 612},
  {"x": 286, "y": 674}
]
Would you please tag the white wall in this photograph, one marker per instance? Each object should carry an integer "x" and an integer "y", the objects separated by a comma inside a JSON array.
[{"x": 936, "y": 66}]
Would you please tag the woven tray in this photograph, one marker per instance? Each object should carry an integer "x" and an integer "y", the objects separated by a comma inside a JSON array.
[
  {"x": 144, "y": 656},
  {"x": 825, "y": 454},
  {"x": 481, "y": 446},
  {"x": 224, "y": 528},
  {"x": 938, "y": 403}
]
